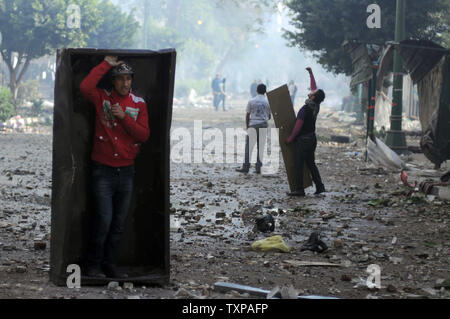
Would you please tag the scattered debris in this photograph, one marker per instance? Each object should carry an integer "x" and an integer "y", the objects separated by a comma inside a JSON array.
[
  {"x": 340, "y": 139},
  {"x": 226, "y": 286},
  {"x": 345, "y": 277},
  {"x": 310, "y": 263},
  {"x": 446, "y": 177},
  {"x": 395, "y": 260},
  {"x": 128, "y": 285},
  {"x": 113, "y": 285},
  {"x": 265, "y": 223},
  {"x": 315, "y": 244},
  {"x": 380, "y": 202},
  {"x": 288, "y": 292},
  {"x": 380, "y": 154},
  {"x": 184, "y": 294},
  {"x": 40, "y": 245},
  {"x": 442, "y": 283},
  {"x": 391, "y": 288}
]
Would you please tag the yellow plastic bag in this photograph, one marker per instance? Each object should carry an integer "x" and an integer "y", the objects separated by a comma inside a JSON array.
[{"x": 274, "y": 243}]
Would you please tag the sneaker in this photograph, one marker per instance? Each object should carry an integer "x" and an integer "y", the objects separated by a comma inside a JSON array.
[
  {"x": 242, "y": 170},
  {"x": 320, "y": 190},
  {"x": 95, "y": 272},
  {"x": 297, "y": 194},
  {"x": 112, "y": 272}
]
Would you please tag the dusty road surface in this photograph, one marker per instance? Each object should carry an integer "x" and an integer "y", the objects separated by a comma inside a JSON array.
[{"x": 366, "y": 218}]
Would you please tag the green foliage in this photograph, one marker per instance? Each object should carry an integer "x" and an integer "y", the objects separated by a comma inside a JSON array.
[
  {"x": 37, "y": 106},
  {"x": 6, "y": 105},
  {"x": 207, "y": 34},
  {"x": 200, "y": 56},
  {"x": 444, "y": 16},
  {"x": 117, "y": 30},
  {"x": 37, "y": 27},
  {"x": 322, "y": 26},
  {"x": 34, "y": 28},
  {"x": 161, "y": 37},
  {"x": 380, "y": 202},
  {"x": 28, "y": 91}
]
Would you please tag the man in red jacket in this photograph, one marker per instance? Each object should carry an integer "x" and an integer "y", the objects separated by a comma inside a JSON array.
[{"x": 121, "y": 125}]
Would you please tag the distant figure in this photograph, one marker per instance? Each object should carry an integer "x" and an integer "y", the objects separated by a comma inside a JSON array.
[
  {"x": 218, "y": 93},
  {"x": 258, "y": 113},
  {"x": 253, "y": 87},
  {"x": 347, "y": 103},
  {"x": 304, "y": 138},
  {"x": 223, "y": 95},
  {"x": 292, "y": 90}
]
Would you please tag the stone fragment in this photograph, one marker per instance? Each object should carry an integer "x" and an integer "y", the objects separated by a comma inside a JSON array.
[
  {"x": 346, "y": 277},
  {"x": 113, "y": 285},
  {"x": 337, "y": 244},
  {"x": 128, "y": 285},
  {"x": 40, "y": 245}
]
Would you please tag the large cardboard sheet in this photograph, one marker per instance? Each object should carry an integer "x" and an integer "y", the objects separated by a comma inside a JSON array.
[
  {"x": 284, "y": 117},
  {"x": 144, "y": 252}
]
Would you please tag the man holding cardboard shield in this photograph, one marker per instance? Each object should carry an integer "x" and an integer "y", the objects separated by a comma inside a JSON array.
[{"x": 304, "y": 137}]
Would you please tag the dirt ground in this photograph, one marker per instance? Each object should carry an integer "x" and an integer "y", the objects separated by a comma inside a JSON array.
[{"x": 366, "y": 217}]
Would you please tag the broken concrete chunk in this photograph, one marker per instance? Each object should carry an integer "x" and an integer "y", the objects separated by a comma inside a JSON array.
[
  {"x": 113, "y": 285},
  {"x": 128, "y": 285},
  {"x": 340, "y": 139},
  {"x": 443, "y": 283},
  {"x": 40, "y": 245}
]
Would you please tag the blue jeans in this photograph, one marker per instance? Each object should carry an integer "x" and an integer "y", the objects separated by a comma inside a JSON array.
[{"x": 112, "y": 190}]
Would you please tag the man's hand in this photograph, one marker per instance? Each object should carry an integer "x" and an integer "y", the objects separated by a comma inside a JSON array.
[
  {"x": 308, "y": 69},
  {"x": 117, "y": 111},
  {"x": 112, "y": 60}
]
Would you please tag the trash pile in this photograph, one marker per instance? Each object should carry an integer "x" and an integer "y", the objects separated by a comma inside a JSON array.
[
  {"x": 380, "y": 154},
  {"x": 441, "y": 188},
  {"x": 25, "y": 125}
]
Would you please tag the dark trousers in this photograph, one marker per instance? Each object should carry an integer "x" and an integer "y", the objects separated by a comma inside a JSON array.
[
  {"x": 305, "y": 148},
  {"x": 112, "y": 191},
  {"x": 260, "y": 142}
]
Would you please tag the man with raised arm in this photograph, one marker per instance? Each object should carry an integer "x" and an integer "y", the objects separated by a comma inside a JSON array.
[
  {"x": 121, "y": 125},
  {"x": 304, "y": 137}
]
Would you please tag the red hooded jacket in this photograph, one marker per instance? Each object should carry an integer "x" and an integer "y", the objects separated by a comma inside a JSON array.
[{"x": 116, "y": 142}]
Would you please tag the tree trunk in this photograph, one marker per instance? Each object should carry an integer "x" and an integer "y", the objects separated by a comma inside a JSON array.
[
  {"x": 174, "y": 9},
  {"x": 15, "y": 77},
  {"x": 225, "y": 59}
]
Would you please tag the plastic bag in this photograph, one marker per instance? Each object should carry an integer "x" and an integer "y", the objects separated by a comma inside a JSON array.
[
  {"x": 379, "y": 153},
  {"x": 274, "y": 243}
]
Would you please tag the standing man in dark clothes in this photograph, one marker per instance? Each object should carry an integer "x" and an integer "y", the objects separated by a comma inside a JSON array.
[
  {"x": 258, "y": 114},
  {"x": 304, "y": 137},
  {"x": 218, "y": 94},
  {"x": 121, "y": 125}
]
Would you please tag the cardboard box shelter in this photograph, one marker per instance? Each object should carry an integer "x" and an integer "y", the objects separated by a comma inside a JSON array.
[{"x": 144, "y": 252}]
